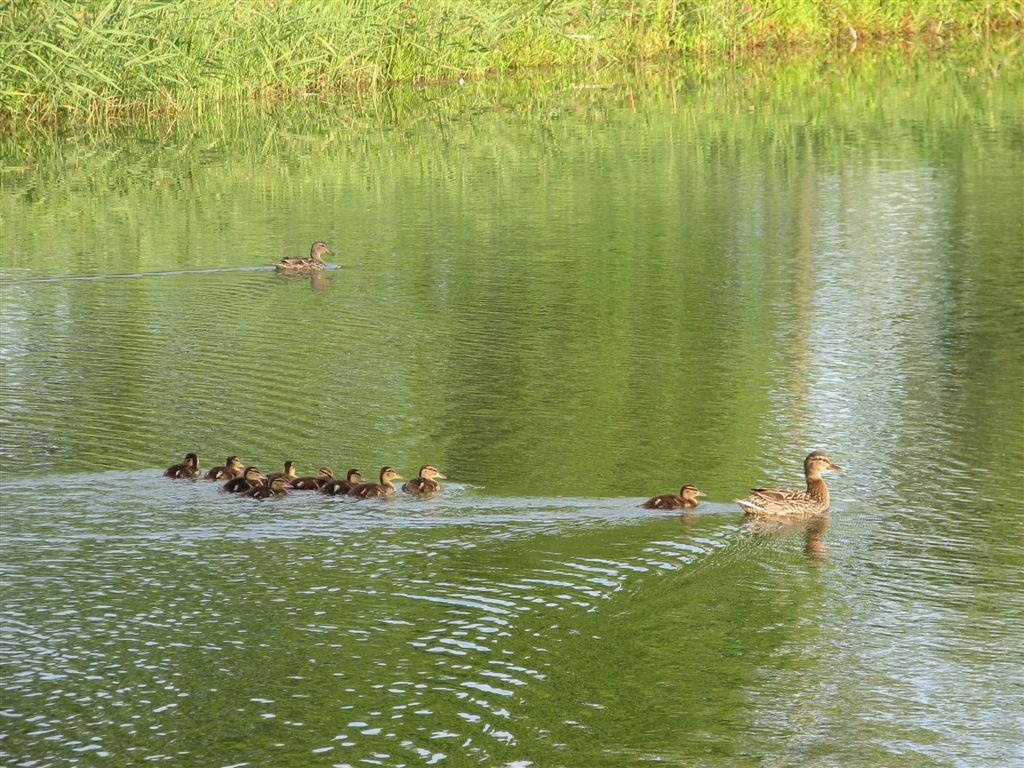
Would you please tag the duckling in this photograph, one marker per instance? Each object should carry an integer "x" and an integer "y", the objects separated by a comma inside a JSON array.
[
  {"x": 250, "y": 478},
  {"x": 425, "y": 482},
  {"x": 312, "y": 483},
  {"x": 288, "y": 474},
  {"x": 232, "y": 468},
  {"x": 188, "y": 468},
  {"x": 298, "y": 264},
  {"x": 277, "y": 486},
  {"x": 782, "y": 502},
  {"x": 338, "y": 487},
  {"x": 687, "y": 498},
  {"x": 383, "y": 488}
]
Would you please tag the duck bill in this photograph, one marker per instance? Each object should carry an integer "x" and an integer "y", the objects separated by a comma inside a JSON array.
[
  {"x": 701, "y": 493},
  {"x": 834, "y": 467}
]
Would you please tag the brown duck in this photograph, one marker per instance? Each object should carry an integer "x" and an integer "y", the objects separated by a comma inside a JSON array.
[
  {"x": 278, "y": 486},
  {"x": 299, "y": 265},
  {"x": 426, "y": 481},
  {"x": 792, "y": 502},
  {"x": 339, "y": 487},
  {"x": 686, "y": 499},
  {"x": 232, "y": 468},
  {"x": 188, "y": 468},
  {"x": 383, "y": 488},
  {"x": 249, "y": 479},
  {"x": 313, "y": 482},
  {"x": 288, "y": 473}
]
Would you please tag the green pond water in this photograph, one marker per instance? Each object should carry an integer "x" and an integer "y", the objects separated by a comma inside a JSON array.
[{"x": 570, "y": 293}]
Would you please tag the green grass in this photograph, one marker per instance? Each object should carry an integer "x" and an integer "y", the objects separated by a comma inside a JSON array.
[{"x": 94, "y": 60}]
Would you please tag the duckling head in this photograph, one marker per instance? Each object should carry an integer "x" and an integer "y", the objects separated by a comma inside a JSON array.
[
  {"x": 429, "y": 471},
  {"x": 280, "y": 484},
  {"x": 690, "y": 491}
]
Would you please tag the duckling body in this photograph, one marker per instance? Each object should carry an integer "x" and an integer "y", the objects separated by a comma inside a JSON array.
[
  {"x": 288, "y": 473},
  {"x": 792, "y": 502},
  {"x": 249, "y": 479},
  {"x": 312, "y": 483},
  {"x": 383, "y": 488},
  {"x": 188, "y": 468},
  {"x": 300, "y": 265},
  {"x": 278, "y": 486},
  {"x": 425, "y": 482},
  {"x": 339, "y": 487},
  {"x": 687, "y": 499},
  {"x": 232, "y": 468}
]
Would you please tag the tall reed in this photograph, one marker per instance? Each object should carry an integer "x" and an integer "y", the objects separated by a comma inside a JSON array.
[{"x": 89, "y": 60}]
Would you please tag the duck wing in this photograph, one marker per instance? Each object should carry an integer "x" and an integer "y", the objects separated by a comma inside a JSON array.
[
  {"x": 774, "y": 500},
  {"x": 779, "y": 495}
]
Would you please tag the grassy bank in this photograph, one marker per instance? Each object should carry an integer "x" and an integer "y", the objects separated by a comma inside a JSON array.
[{"x": 93, "y": 60}]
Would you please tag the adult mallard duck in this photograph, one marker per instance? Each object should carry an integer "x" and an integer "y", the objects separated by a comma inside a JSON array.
[
  {"x": 288, "y": 473},
  {"x": 791, "y": 502},
  {"x": 687, "y": 498},
  {"x": 338, "y": 487},
  {"x": 250, "y": 478},
  {"x": 298, "y": 264},
  {"x": 278, "y": 486},
  {"x": 383, "y": 488},
  {"x": 313, "y": 482},
  {"x": 188, "y": 468},
  {"x": 425, "y": 482},
  {"x": 232, "y": 468}
]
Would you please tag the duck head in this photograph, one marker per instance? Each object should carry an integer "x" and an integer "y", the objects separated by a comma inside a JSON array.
[
  {"x": 318, "y": 250},
  {"x": 818, "y": 462}
]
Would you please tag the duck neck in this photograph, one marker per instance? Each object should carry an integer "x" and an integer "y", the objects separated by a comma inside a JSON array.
[{"x": 816, "y": 488}]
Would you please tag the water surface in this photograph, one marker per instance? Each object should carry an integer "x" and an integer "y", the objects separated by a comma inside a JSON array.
[{"x": 569, "y": 295}]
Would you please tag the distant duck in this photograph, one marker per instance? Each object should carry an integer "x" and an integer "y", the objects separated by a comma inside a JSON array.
[
  {"x": 312, "y": 483},
  {"x": 686, "y": 499},
  {"x": 338, "y": 487},
  {"x": 232, "y": 468},
  {"x": 278, "y": 486},
  {"x": 425, "y": 482},
  {"x": 249, "y": 479},
  {"x": 288, "y": 474},
  {"x": 383, "y": 488},
  {"x": 791, "y": 502},
  {"x": 298, "y": 264},
  {"x": 188, "y": 468}
]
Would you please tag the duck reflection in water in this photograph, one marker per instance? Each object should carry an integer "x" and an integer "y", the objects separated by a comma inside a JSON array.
[
  {"x": 813, "y": 529},
  {"x": 318, "y": 281}
]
